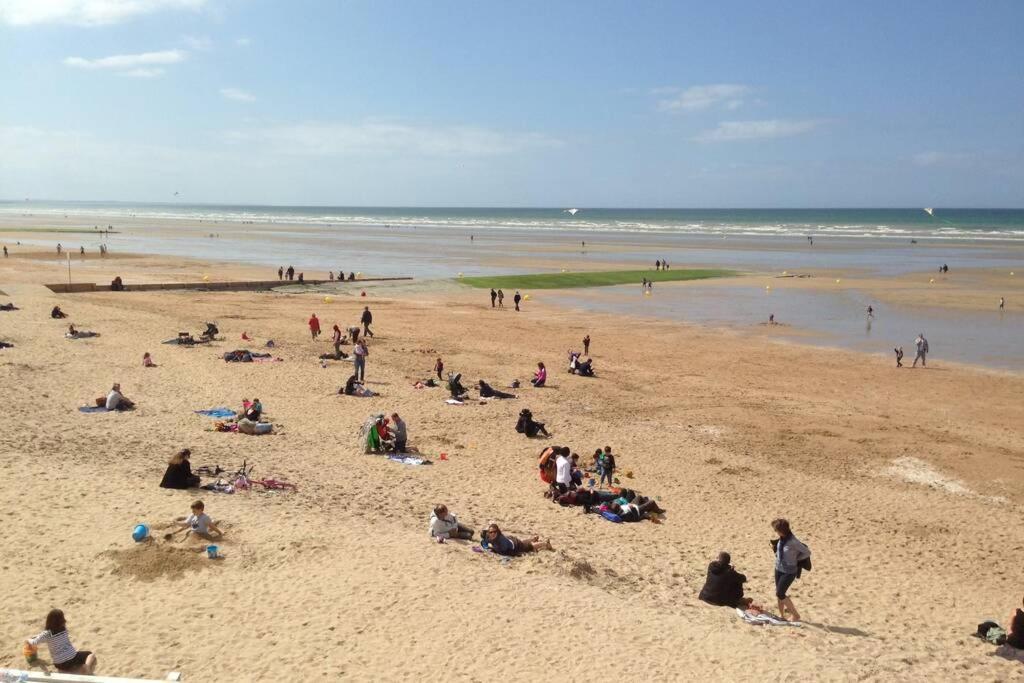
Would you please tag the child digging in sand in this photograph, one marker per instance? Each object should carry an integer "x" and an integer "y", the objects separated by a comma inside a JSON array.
[
  {"x": 63, "y": 654},
  {"x": 198, "y": 523}
]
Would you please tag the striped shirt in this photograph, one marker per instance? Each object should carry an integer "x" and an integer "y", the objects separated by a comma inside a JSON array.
[{"x": 61, "y": 649}]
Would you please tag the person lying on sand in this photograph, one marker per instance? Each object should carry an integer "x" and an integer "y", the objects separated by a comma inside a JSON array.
[
  {"x": 583, "y": 497},
  {"x": 198, "y": 523},
  {"x": 724, "y": 585},
  {"x": 635, "y": 512},
  {"x": 492, "y": 539},
  {"x": 179, "y": 472},
  {"x": 487, "y": 391},
  {"x": 444, "y": 525},
  {"x": 8, "y": 307},
  {"x": 63, "y": 654},
  {"x": 118, "y": 401},
  {"x": 72, "y": 333}
]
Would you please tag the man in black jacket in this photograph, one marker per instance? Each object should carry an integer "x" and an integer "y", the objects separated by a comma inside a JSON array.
[
  {"x": 724, "y": 585},
  {"x": 366, "y": 320}
]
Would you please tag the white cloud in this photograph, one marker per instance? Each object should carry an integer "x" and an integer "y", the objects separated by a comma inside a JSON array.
[
  {"x": 697, "y": 97},
  {"x": 243, "y": 42},
  {"x": 237, "y": 95},
  {"x": 123, "y": 62},
  {"x": 85, "y": 12},
  {"x": 934, "y": 158},
  {"x": 389, "y": 138},
  {"x": 728, "y": 131},
  {"x": 197, "y": 43},
  {"x": 144, "y": 73}
]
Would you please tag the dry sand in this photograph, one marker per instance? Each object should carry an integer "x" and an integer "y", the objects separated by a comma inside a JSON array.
[{"x": 906, "y": 484}]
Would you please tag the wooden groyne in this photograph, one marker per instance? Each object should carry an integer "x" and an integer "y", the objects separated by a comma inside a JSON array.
[{"x": 240, "y": 286}]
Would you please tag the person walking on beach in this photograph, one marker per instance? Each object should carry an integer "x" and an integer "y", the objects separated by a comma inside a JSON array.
[
  {"x": 791, "y": 557},
  {"x": 58, "y": 248},
  {"x": 516, "y": 299},
  {"x": 657, "y": 264},
  {"x": 586, "y": 345},
  {"x": 366, "y": 319},
  {"x": 899, "y": 356},
  {"x": 501, "y": 299},
  {"x": 290, "y": 273},
  {"x": 1002, "y": 301},
  {"x": 439, "y": 369},
  {"x": 5, "y": 251},
  {"x": 280, "y": 273},
  {"x": 314, "y": 326},
  {"x": 871, "y": 311},
  {"x": 360, "y": 353},
  {"x": 922, "y": 350},
  {"x": 494, "y": 297}
]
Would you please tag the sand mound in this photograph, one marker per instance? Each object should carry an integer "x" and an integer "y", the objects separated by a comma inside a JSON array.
[{"x": 150, "y": 561}]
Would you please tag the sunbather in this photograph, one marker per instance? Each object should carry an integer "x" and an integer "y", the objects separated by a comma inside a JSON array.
[
  {"x": 63, "y": 654},
  {"x": 724, "y": 585},
  {"x": 8, "y": 307},
  {"x": 179, "y": 472},
  {"x": 444, "y": 525},
  {"x": 198, "y": 523},
  {"x": 118, "y": 401},
  {"x": 584, "y": 497},
  {"x": 510, "y": 546},
  {"x": 634, "y": 512},
  {"x": 487, "y": 391}
]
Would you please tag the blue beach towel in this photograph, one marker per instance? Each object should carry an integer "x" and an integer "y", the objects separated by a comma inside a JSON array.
[
  {"x": 92, "y": 409},
  {"x": 611, "y": 516},
  {"x": 216, "y": 412}
]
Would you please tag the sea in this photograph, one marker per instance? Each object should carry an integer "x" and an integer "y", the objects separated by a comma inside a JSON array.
[{"x": 435, "y": 243}]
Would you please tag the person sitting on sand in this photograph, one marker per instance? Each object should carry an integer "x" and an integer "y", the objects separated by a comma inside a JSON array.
[
  {"x": 510, "y": 546},
  {"x": 376, "y": 436},
  {"x": 528, "y": 426},
  {"x": 563, "y": 471},
  {"x": 353, "y": 387},
  {"x": 455, "y": 387},
  {"x": 179, "y": 472},
  {"x": 724, "y": 585},
  {"x": 198, "y": 523},
  {"x": 63, "y": 654},
  {"x": 539, "y": 377},
  {"x": 147, "y": 360},
  {"x": 546, "y": 464},
  {"x": 444, "y": 525},
  {"x": 118, "y": 401},
  {"x": 487, "y": 391},
  {"x": 253, "y": 411},
  {"x": 400, "y": 433},
  {"x": 1015, "y": 633}
]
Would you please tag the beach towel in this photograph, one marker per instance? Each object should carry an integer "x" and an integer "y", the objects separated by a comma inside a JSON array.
[
  {"x": 453, "y": 402},
  {"x": 81, "y": 335},
  {"x": 764, "y": 619},
  {"x": 216, "y": 412},
  {"x": 611, "y": 516},
  {"x": 409, "y": 460},
  {"x": 258, "y": 358},
  {"x": 92, "y": 409}
]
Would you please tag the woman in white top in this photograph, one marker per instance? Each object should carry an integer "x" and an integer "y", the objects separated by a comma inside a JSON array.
[{"x": 63, "y": 654}]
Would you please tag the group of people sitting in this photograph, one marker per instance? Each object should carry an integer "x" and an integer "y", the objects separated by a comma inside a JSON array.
[
  {"x": 584, "y": 368},
  {"x": 381, "y": 434},
  {"x": 444, "y": 525}
]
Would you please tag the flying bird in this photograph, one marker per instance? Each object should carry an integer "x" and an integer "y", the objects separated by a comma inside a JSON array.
[
  {"x": 930, "y": 212},
  {"x": 571, "y": 212}
]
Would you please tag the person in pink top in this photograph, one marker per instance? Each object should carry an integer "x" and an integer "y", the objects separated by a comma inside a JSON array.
[
  {"x": 540, "y": 376},
  {"x": 314, "y": 326}
]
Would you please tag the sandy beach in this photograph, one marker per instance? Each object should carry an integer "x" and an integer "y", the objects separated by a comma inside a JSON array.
[{"x": 906, "y": 484}]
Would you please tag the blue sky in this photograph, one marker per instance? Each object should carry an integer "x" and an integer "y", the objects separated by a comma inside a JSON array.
[{"x": 657, "y": 104}]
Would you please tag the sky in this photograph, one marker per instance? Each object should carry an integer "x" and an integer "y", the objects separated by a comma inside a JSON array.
[{"x": 581, "y": 104}]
